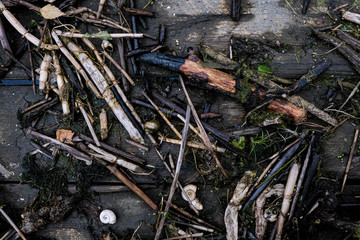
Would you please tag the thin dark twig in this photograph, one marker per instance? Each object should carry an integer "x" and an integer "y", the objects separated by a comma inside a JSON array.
[
  {"x": 27, "y": 70},
  {"x": 32, "y": 68},
  {"x": 177, "y": 172},
  {"x": 204, "y": 136},
  {"x": 350, "y": 158}
]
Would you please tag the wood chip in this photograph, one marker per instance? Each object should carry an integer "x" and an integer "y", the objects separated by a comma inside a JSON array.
[{"x": 62, "y": 135}]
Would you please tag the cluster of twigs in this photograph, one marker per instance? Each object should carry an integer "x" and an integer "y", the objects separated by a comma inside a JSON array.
[{"x": 79, "y": 69}]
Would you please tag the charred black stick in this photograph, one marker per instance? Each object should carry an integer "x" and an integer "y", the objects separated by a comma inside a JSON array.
[
  {"x": 162, "y": 33},
  {"x": 353, "y": 42},
  {"x": 235, "y": 10},
  {"x": 19, "y": 52},
  {"x": 310, "y": 76},
  {"x": 32, "y": 68},
  {"x": 279, "y": 164},
  {"x": 143, "y": 23},
  {"x": 132, "y": 59},
  {"x": 139, "y": 12},
  {"x": 142, "y": 50},
  {"x": 344, "y": 49},
  {"x": 27, "y": 70},
  {"x": 133, "y": 25},
  {"x": 115, "y": 150},
  {"x": 128, "y": 113},
  {"x": 120, "y": 45},
  {"x": 310, "y": 174},
  {"x": 305, "y": 6}
]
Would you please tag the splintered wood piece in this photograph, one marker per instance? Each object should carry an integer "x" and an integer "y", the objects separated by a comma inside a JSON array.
[
  {"x": 104, "y": 130},
  {"x": 351, "y": 16},
  {"x": 291, "y": 111}
]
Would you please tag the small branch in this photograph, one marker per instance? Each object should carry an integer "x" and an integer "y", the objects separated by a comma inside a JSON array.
[
  {"x": 80, "y": 105},
  {"x": 177, "y": 173},
  {"x": 192, "y": 144},
  {"x": 101, "y": 6},
  {"x": 110, "y": 35},
  {"x": 12, "y": 224},
  {"x": 350, "y": 158},
  {"x": 185, "y": 236}
]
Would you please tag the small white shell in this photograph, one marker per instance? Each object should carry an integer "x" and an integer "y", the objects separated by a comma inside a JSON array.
[
  {"x": 107, "y": 217},
  {"x": 190, "y": 191},
  {"x": 107, "y": 46}
]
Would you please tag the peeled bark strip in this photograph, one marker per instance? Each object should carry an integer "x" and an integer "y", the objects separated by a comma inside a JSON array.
[
  {"x": 232, "y": 210},
  {"x": 104, "y": 130},
  {"x": 100, "y": 153},
  {"x": 261, "y": 221},
  {"x": 291, "y": 111},
  {"x": 104, "y": 88}
]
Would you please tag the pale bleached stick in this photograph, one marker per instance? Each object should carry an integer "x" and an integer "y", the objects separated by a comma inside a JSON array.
[
  {"x": 84, "y": 35},
  {"x": 73, "y": 61},
  {"x": 114, "y": 159},
  {"x": 191, "y": 144},
  {"x": 62, "y": 85},
  {"x": 289, "y": 189},
  {"x": 44, "y": 73},
  {"x": 177, "y": 173},
  {"x": 80, "y": 105},
  {"x": 101, "y": 6},
  {"x": 20, "y": 28},
  {"x": 101, "y": 82},
  {"x": 350, "y": 158}
]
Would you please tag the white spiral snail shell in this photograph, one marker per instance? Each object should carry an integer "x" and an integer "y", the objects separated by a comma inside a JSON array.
[{"x": 107, "y": 217}]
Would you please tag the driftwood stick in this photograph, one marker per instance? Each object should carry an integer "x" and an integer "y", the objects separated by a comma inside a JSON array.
[
  {"x": 289, "y": 189},
  {"x": 122, "y": 177},
  {"x": 12, "y": 224},
  {"x": 192, "y": 144},
  {"x": 196, "y": 226},
  {"x": 80, "y": 105},
  {"x": 177, "y": 173},
  {"x": 119, "y": 67},
  {"x": 112, "y": 35},
  {"x": 353, "y": 42},
  {"x": 76, "y": 153},
  {"x": 139, "y": 12},
  {"x": 204, "y": 135},
  {"x": 301, "y": 178},
  {"x": 102, "y": 154},
  {"x": 101, "y": 6},
  {"x": 115, "y": 150},
  {"x": 351, "y": 16},
  {"x": 350, "y": 158}
]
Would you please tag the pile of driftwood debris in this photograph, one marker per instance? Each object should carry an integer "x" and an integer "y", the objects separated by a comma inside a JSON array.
[{"x": 76, "y": 70}]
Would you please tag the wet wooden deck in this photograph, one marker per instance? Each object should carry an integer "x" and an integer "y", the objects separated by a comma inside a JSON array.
[{"x": 188, "y": 23}]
